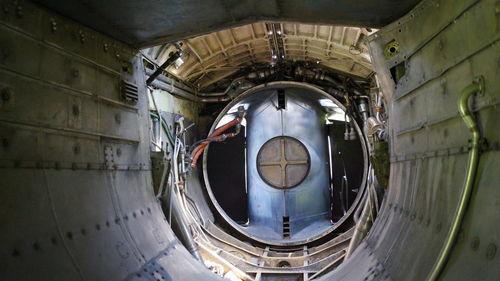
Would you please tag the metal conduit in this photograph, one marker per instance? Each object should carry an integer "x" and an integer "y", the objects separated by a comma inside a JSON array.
[
  {"x": 477, "y": 86},
  {"x": 180, "y": 225},
  {"x": 363, "y": 223}
]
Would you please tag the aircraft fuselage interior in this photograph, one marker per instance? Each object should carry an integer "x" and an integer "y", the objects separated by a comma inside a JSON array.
[{"x": 249, "y": 140}]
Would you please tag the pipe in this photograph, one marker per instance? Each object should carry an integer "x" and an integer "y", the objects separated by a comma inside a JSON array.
[
  {"x": 213, "y": 94},
  {"x": 363, "y": 109},
  {"x": 164, "y": 176},
  {"x": 236, "y": 85},
  {"x": 199, "y": 149},
  {"x": 171, "y": 89},
  {"x": 477, "y": 86},
  {"x": 372, "y": 126},
  {"x": 358, "y": 211},
  {"x": 215, "y": 99},
  {"x": 179, "y": 223},
  {"x": 162, "y": 122},
  {"x": 176, "y": 91},
  {"x": 362, "y": 226},
  {"x": 162, "y": 67},
  {"x": 218, "y": 94},
  {"x": 169, "y": 81}
]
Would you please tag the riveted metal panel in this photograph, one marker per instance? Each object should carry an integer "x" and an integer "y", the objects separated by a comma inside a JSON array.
[
  {"x": 65, "y": 70},
  {"x": 76, "y": 193},
  {"x": 70, "y": 200},
  {"x": 29, "y": 240},
  {"x": 119, "y": 122},
  {"x": 445, "y": 44},
  {"x": 15, "y": 47}
]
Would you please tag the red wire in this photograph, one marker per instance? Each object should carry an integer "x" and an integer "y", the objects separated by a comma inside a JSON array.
[{"x": 199, "y": 149}]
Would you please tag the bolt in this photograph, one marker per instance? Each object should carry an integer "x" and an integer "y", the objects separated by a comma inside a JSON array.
[
  {"x": 76, "y": 149},
  {"x": 105, "y": 47},
  {"x": 474, "y": 243},
  {"x": 460, "y": 235},
  {"x": 36, "y": 246},
  {"x": 75, "y": 110},
  {"x": 441, "y": 45},
  {"x": 15, "y": 253},
  {"x": 118, "y": 118},
  {"x": 491, "y": 251},
  {"x": 19, "y": 11},
  {"x": 6, "y": 94},
  {"x": 53, "y": 24},
  {"x": 82, "y": 37},
  {"x": 4, "y": 54},
  {"x": 5, "y": 142},
  {"x": 438, "y": 227}
]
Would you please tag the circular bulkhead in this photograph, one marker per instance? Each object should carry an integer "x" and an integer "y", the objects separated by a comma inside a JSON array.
[{"x": 290, "y": 176}]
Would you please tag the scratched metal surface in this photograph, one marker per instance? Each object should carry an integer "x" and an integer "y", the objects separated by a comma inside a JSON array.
[
  {"x": 307, "y": 202},
  {"x": 444, "y": 45},
  {"x": 76, "y": 199}
]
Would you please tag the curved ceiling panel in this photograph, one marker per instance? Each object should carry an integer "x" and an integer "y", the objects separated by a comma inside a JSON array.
[
  {"x": 208, "y": 58},
  {"x": 152, "y": 22}
]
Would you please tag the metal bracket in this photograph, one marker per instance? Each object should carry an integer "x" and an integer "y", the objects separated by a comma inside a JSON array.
[
  {"x": 108, "y": 157},
  {"x": 480, "y": 82}
]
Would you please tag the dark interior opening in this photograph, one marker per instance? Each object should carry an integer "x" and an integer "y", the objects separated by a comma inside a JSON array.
[
  {"x": 347, "y": 169},
  {"x": 226, "y": 169}
]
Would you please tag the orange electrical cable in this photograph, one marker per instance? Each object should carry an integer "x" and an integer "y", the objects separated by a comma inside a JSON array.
[{"x": 199, "y": 149}]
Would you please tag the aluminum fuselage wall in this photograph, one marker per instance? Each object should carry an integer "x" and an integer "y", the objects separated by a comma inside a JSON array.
[
  {"x": 443, "y": 45},
  {"x": 75, "y": 192}
]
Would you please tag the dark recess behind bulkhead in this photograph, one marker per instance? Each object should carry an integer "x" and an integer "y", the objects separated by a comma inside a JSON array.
[{"x": 226, "y": 172}]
